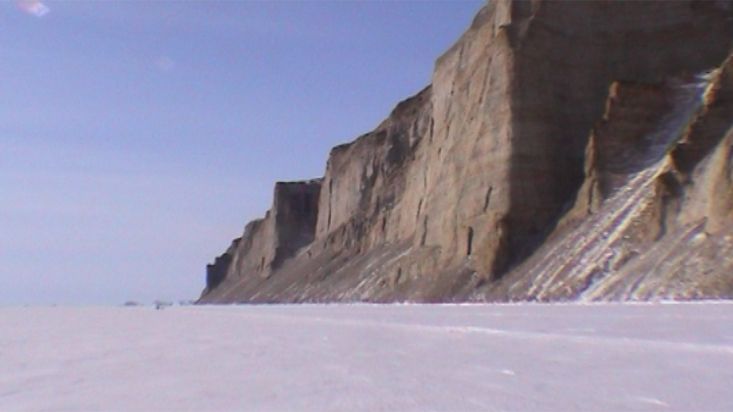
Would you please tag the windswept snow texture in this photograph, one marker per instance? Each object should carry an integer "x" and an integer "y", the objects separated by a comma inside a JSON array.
[{"x": 362, "y": 357}]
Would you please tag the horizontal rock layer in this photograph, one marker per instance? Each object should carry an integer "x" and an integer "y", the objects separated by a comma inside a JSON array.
[{"x": 559, "y": 145}]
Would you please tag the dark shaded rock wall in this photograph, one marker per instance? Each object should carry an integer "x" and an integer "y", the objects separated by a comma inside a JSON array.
[
  {"x": 661, "y": 229},
  {"x": 266, "y": 243}
]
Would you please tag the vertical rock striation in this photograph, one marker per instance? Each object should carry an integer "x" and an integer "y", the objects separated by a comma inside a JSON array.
[
  {"x": 266, "y": 243},
  {"x": 534, "y": 119}
]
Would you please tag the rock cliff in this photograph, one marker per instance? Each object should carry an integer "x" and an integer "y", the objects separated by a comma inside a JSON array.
[
  {"x": 563, "y": 150},
  {"x": 266, "y": 243}
]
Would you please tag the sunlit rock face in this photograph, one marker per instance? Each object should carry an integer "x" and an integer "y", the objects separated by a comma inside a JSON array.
[{"x": 559, "y": 145}]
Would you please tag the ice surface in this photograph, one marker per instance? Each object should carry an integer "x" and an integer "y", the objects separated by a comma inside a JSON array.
[{"x": 362, "y": 357}]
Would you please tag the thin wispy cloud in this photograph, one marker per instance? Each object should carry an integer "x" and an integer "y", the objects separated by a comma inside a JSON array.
[
  {"x": 33, "y": 7},
  {"x": 165, "y": 63}
]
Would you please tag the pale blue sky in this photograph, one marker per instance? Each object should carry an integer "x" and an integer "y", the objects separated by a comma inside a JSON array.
[{"x": 137, "y": 138}]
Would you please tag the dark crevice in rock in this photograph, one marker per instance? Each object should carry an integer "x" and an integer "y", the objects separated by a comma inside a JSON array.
[{"x": 469, "y": 241}]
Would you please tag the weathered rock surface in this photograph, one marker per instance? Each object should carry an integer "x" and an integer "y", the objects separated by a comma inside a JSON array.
[
  {"x": 645, "y": 225},
  {"x": 267, "y": 243},
  {"x": 562, "y": 150}
]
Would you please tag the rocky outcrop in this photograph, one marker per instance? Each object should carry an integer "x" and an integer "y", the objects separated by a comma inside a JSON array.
[
  {"x": 501, "y": 179},
  {"x": 637, "y": 217},
  {"x": 266, "y": 243}
]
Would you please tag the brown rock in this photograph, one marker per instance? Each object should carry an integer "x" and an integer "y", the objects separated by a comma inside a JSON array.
[
  {"x": 267, "y": 243},
  {"x": 464, "y": 182},
  {"x": 660, "y": 230}
]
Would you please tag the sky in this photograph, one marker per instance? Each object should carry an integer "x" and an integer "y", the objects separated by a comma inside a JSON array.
[{"x": 137, "y": 138}]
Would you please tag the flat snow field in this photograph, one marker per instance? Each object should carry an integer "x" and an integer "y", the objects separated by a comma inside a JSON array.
[{"x": 654, "y": 357}]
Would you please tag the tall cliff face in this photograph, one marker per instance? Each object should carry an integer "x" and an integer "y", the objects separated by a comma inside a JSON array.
[
  {"x": 458, "y": 193},
  {"x": 266, "y": 243},
  {"x": 653, "y": 218}
]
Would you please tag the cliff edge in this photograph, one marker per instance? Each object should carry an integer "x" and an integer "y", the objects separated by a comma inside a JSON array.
[{"x": 563, "y": 150}]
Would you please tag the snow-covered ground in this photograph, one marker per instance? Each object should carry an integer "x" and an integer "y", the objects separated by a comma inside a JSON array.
[{"x": 362, "y": 357}]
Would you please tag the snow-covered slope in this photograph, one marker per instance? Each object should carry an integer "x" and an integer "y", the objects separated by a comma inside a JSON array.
[{"x": 363, "y": 357}]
